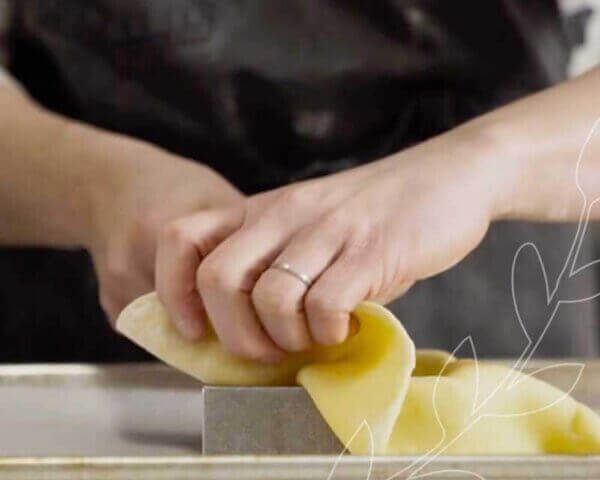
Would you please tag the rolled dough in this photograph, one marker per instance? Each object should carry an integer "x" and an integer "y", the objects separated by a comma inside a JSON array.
[{"x": 381, "y": 396}]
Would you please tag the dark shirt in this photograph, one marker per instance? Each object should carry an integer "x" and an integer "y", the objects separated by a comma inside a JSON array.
[
  {"x": 268, "y": 91},
  {"x": 271, "y": 91}
]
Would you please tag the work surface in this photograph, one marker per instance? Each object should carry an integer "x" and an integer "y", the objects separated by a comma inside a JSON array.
[
  {"x": 83, "y": 410},
  {"x": 112, "y": 416}
]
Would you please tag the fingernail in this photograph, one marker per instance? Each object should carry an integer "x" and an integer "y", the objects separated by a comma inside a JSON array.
[{"x": 191, "y": 329}]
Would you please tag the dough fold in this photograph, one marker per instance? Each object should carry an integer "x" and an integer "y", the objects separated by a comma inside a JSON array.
[{"x": 379, "y": 395}]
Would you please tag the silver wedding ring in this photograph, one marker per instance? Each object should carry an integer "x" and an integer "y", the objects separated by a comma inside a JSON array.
[{"x": 287, "y": 268}]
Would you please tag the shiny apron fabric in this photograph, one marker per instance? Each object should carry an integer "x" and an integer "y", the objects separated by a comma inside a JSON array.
[{"x": 269, "y": 92}]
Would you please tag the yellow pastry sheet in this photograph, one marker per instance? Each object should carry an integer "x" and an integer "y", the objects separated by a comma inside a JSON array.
[{"x": 377, "y": 391}]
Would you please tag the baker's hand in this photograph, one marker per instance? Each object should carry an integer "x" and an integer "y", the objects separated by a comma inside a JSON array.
[
  {"x": 149, "y": 189},
  {"x": 365, "y": 234}
]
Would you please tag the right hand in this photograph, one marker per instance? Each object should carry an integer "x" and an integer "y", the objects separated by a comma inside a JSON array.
[{"x": 367, "y": 233}]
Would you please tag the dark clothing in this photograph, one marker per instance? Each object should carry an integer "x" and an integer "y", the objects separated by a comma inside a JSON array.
[{"x": 269, "y": 92}]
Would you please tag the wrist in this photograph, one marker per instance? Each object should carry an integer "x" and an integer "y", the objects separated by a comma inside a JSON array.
[
  {"x": 473, "y": 158},
  {"x": 485, "y": 149},
  {"x": 68, "y": 206},
  {"x": 104, "y": 166},
  {"x": 526, "y": 182}
]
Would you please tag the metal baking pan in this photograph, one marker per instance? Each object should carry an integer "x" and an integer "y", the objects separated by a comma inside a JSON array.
[{"x": 145, "y": 421}]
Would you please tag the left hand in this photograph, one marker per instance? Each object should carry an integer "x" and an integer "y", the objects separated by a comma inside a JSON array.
[
  {"x": 147, "y": 188},
  {"x": 365, "y": 234}
]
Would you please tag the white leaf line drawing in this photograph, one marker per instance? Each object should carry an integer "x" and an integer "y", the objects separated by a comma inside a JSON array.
[
  {"x": 516, "y": 375},
  {"x": 433, "y": 453},
  {"x": 364, "y": 424},
  {"x": 579, "y": 366},
  {"x": 447, "y": 471}
]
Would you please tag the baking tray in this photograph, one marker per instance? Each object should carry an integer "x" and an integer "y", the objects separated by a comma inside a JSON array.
[{"x": 145, "y": 421}]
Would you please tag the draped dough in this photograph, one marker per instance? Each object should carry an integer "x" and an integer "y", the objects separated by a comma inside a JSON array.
[{"x": 412, "y": 401}]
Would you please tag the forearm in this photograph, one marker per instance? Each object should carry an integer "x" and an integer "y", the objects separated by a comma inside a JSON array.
[
  {"x": 531, "y": 148},
  {"x": 51, "y": 172},
  {"x": 521, "y": 159}
]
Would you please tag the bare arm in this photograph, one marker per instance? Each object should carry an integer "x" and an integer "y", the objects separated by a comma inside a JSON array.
[
  {"x": 48, "y": 174},
  {"x": 65, "y": 184},
  {"x": 531, "y": 148},
  {"x": 371, "y": 232}
]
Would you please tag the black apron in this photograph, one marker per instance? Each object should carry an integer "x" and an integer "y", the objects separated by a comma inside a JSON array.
[{"x": 268, "y": 92}]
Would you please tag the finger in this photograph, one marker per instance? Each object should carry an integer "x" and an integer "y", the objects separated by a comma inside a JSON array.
[
  {"x": 352, "y": 278},
  {"x": 226, "y": 278},
  {"x": 278, "y": 296},
  {"x": 330, "y": 301},
  {"x": 182, "y": 245}
]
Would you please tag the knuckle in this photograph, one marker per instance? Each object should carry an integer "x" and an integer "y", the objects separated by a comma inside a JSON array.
[
  {"x": 211, "y": 275},
  {"x": 174, "y": 233},
  {"x": 337, "y": 220},
  {"x": 296, "y": 196},
  {"x": 332, "y": 228},
  {"x": 208, "y": 276},
  {"x": 371, "y": 240}
]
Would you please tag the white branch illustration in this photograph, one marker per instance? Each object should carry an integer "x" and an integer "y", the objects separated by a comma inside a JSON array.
[{"x": 514, "y": 376}]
